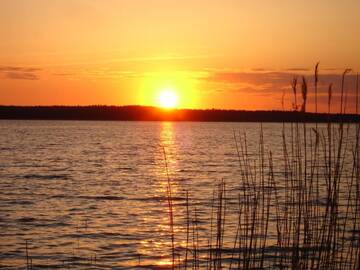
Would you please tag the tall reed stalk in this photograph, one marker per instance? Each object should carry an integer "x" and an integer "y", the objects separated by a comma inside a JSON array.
[
  {"x": 300, "y": 210},
  {"x": 170, "y": 205}
]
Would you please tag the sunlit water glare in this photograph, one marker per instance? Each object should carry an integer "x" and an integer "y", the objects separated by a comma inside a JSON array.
[{"x": 81, "y": 192}]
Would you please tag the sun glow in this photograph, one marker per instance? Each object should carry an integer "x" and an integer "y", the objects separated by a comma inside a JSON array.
[
  {"x": 168, "y": 89},
  {"x": 168, "y": 99}
]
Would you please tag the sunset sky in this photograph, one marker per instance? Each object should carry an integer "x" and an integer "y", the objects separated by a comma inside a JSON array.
[{"x": 227, "y": 54}]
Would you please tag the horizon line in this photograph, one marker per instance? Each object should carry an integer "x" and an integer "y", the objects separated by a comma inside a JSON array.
[{"x": 175, "y": 109}]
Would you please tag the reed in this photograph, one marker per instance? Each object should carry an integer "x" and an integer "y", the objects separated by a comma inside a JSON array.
[
  {"x": 170, "y": 205},
  {"x": 28, "y": 258},
  {"x": 292, "y": 212}
]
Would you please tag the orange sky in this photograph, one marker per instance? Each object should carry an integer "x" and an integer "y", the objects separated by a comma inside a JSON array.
[{"x": 236, "y": 54}]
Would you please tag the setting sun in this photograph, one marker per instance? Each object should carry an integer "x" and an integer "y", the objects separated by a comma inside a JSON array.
[{"x": 168, "y": 99}]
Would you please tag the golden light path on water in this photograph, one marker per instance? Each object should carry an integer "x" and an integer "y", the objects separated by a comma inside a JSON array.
[{"x": 167, "y": 165}]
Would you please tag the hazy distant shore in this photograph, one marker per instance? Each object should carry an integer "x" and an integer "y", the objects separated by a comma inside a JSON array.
[{"x": 145, "y": 113}]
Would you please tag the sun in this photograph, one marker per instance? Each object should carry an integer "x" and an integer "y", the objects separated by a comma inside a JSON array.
[{"x": 168, "y": 99}]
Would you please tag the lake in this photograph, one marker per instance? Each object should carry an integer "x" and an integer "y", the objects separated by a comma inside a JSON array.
[{"x": 92, "y": 194}]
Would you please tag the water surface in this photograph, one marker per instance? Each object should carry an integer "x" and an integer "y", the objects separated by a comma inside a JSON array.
[{"x": 85, "y": 191}]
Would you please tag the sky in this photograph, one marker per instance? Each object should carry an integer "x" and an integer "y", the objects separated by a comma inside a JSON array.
[{"x": 225, "y": 54}]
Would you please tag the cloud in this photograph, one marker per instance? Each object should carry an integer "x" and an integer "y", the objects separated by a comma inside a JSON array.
[
  {"x": 63, "y": 74},
  {"x": 109, "y": 73},
  {"x": 333, "y": 69},
  {"x": 261, "y": 69},
  {"x": 18, "y": 69},
  {"x": 19, "y": 73},
  {"x": 297, "y": 69},
  {"x": 21, "y": 76},
  {"x": 275, "y": 84},
  {"x": 253, "y": 78}
]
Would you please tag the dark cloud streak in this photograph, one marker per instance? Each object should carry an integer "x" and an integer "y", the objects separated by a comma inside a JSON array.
[
  {"x": 19, "y": 73},
  {"x": 21, "y": 76}
]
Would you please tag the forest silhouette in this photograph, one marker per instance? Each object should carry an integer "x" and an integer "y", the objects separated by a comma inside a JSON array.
[{"x": 148, "y": 113}]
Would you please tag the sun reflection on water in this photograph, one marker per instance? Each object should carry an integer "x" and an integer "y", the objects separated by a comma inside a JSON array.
[{"x": 160, "y": 246}]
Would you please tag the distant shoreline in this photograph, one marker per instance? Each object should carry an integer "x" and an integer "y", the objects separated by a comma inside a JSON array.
[{"x": 146, "y": 113}]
